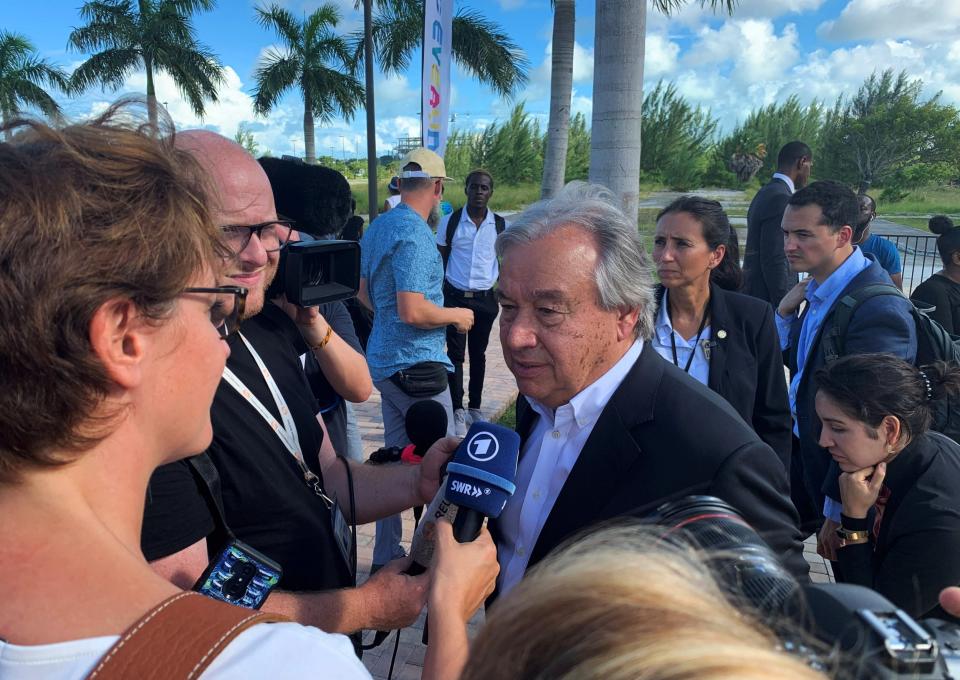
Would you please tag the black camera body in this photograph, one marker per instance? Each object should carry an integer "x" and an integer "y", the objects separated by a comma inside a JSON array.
[
  {"x": 315, "y": 272},
  {"x": 879, "y": 639}
]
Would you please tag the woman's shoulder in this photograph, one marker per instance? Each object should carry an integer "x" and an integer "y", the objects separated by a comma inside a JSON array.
[
  {"x": 304, "y": 651},
  {"x": 750, "y": 308}
]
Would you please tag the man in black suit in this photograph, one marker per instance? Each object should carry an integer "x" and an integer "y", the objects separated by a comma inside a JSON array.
[
  {"x": 765, "y": 271},
  {"x": 608, "y": 427}
]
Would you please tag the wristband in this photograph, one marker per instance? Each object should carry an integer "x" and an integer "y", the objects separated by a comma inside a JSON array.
[
  {"x": 849, "y": 536},
  {"x": 326, "y": 339}
]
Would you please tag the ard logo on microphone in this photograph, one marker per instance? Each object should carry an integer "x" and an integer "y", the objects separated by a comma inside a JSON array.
[{"x": 482, "y": 447}]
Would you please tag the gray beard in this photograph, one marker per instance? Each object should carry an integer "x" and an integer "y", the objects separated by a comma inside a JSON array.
[{"x": 433, "y": 219}]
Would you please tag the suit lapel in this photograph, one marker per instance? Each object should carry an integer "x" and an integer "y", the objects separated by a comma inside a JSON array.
[
  {"x": 607, "y": 454},
  {"x": 719, "y": 319}
]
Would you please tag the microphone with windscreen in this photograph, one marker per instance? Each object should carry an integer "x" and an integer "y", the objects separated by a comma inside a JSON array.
[
  {"x": 479, "y": 481},
  {"x": 425, "y": 423}
]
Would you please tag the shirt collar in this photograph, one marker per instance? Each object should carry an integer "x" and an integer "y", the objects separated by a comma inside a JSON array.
[
  {"x": 586, "y": 406},
  {"x": 838, "y": 280},
  {"x": 465, "y": 217},
  {"x": 785, "y": 178}
]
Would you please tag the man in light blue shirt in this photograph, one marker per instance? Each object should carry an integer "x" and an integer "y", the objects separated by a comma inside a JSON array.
[
  {"x": 401, "y": 277},
  {"x": 818, "y": 234}
]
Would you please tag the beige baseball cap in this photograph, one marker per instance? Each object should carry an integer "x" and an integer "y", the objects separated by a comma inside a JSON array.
[{"x": 431, "y": 165}]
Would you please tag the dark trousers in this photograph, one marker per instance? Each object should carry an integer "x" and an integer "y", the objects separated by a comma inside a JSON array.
[{"x": 485, "y": 310}]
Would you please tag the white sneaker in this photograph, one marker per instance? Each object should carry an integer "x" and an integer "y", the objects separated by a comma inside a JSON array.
[
  {"x": 476, "y": 416},
  {"x": 460, "y": 422}
]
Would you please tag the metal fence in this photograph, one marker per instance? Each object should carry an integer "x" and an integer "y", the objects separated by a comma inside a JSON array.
[{"x": 919, "y": 257}]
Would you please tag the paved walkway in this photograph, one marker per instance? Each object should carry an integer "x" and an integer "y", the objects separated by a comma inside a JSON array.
[{"x": 499, "y": 391}]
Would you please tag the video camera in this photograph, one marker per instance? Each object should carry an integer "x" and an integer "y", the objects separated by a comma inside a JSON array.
[
  {"x": 879, "y": 639},
  {"x": 313, "y": 272}
]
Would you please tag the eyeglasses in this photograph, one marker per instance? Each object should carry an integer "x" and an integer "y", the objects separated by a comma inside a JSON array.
[
  {"x": 227, "y": 309},
  {"x": 273, "y": 235}
]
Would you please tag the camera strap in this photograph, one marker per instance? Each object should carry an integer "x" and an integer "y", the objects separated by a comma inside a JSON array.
[{"x": 287, "y": 432}]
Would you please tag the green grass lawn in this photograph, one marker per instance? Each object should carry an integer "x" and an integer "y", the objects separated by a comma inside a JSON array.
[
  {"x": 509, "y": 417},
  {"x": 928, "y": 201}
]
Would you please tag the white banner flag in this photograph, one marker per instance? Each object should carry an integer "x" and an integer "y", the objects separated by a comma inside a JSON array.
[{"x": 437, "y": 32}]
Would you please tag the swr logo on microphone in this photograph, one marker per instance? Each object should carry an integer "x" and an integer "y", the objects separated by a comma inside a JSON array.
[{"x": 482, "y": 447}]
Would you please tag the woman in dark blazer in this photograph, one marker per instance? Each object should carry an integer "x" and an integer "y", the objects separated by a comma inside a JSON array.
[
  {"x": 726, "y": 340},
  {"x": 900, "y": 524}
]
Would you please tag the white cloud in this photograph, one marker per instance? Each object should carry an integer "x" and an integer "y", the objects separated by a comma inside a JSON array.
[
  {"x": 692, "y": 15},
  {"x": 660, "y": 56},
  {"x": 925, "y": 20},
  {"x": 539, "y": 85},
  {"x": 752, "y": 48}
]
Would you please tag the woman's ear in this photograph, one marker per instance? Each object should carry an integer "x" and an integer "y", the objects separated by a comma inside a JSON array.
[
  {"x": 117, "y": 338},
  {"x": 891, "y": 432},
  {"x": 716, "y": 257}
]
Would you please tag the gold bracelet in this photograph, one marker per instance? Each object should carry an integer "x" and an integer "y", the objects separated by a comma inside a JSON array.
[
  {"x": 849, "y": 536},
  {"x": 326, "y": 339}
]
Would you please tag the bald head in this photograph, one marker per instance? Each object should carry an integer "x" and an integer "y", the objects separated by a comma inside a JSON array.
[{"x": 243, "y": 197}]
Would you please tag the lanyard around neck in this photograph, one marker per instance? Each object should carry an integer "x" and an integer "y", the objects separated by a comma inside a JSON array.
[
  {"x": 287, "y": 432},
  {"x": 696, "y": 341}
]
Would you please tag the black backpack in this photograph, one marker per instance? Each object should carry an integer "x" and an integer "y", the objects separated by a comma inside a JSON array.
[
  {"x": 934, "y": 344},
  {"x": 454, "y": 220}
]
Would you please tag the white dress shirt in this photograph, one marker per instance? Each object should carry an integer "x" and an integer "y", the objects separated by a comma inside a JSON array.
[
  {"x": 700, "y": 366},
  {"x": 548, "y": 456},
  {"x": 785, "y": 178},
  {"x": 473, "y": 261}
]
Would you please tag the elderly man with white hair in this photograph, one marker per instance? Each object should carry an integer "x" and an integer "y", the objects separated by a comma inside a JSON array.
[{"x": 608, "y": 427}]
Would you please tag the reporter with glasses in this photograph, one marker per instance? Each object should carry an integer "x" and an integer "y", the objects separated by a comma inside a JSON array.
[
  {"x": 284, "y": 490},
  {"x": 900, "y": 524},
  {"x": 112, "y": 348}
]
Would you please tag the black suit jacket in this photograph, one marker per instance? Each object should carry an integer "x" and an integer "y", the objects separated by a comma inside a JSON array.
[
  {"x": 746, "y": 366},
  {"x": 663, "y": 436},
  {"x": 766, "y": 274},
  {"x": 917, "y": 550}
]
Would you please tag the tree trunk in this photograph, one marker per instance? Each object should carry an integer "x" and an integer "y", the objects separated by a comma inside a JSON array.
[
  {"x": 372, "y": 159},
  {"x": 309, "y": 147},
  {"x": 561, "y": 87},
  {"x": 151, "y": 95},
  {"x": 618, "y": 51}
]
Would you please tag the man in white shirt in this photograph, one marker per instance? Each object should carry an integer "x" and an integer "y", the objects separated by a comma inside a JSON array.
[
  {"x": 609, "y": 428},
  {"x": 466, "y": 240}
]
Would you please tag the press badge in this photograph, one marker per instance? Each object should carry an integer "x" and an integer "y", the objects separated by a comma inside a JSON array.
[{"x": 341, "y": 531}]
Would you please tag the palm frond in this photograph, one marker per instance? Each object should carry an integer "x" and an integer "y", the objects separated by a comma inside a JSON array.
[
  {"x": 275, "y": 74},
  {"x": 33, "y": 95},
  {"x": 332, "y": 92},
  {"x": 488, "y": 53},
  {"x": 283, "y": 23},
  {"x": 667, "y": 7},
  {"x": 110, "y": 67}
]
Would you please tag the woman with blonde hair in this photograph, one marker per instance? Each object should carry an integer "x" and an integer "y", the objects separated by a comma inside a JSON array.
[{"x": 623, "y": 604}]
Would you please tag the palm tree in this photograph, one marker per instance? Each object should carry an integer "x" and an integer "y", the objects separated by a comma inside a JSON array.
[
  {"x": 479, "y": 45},
  {"x": 316, "y": 61},
  {"x": 618, "y": 93},
  {"x": 561, "y": 88},
  {"x": 22, "y": 76},
  {"x": 155, "y": 35}
]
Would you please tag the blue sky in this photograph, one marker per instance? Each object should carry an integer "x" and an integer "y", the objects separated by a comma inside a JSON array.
[{"x": 769, "y": 49}]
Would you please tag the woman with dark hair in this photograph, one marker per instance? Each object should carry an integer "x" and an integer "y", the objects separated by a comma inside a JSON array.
[
  {"x": 900, "y": 524},
  {"x": 726, "y": 340},
  {"x": 942, "y": 290}
]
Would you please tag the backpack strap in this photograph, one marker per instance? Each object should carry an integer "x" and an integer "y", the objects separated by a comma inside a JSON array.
[
  {"x": 500, "y": 222},
  {"x": 178, "y": 639},
  {"x": 451, "y": 229},
  {"x": 833, "y": 338}
]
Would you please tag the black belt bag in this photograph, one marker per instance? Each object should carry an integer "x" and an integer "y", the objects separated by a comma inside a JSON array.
[{"x": 426, "y": 379}]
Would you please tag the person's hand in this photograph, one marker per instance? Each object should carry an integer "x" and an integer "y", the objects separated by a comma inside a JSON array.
[
  {"x": 463, "y": 319},
  {"x": 313, "y": 327},
  {"x": 860, "y": 489},
  {"x": 393, "y": 600},
  {"x": 464, "y": 574},
  {"x": 950, "y": 600},
  {"x": 428, "y": 482},
  {"x": 791, "y": 301},
  {"x": 827, "y": 540}
]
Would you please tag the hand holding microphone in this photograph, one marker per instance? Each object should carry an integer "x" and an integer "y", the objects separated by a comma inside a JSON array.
[{"x": 480, "y": 479}]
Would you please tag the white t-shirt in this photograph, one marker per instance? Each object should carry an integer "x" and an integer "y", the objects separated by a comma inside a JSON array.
[
  {"x": 392, "y": 201},
  {"x": 267, "y": 650}
]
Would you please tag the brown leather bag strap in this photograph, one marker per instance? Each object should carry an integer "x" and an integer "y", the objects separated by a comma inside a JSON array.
[{"x": 178, "y": 639}]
